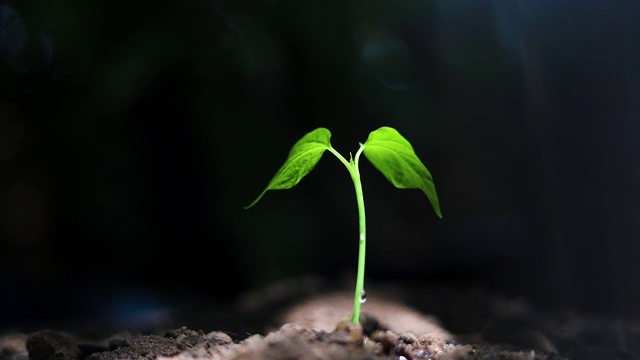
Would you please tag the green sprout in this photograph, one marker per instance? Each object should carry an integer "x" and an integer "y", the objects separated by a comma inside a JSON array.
[{"x": 387, "y": 150}]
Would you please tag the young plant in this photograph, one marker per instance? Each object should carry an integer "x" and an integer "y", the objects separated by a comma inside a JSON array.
[{"x": 387, "y": 150}]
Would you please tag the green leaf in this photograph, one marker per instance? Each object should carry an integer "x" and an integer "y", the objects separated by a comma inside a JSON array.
[
  {"x": 394, "y": 157},
  {"x": 303, "y": 157}
]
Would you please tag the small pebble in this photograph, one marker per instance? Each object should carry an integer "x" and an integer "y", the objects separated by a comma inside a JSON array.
[
  {"x": 408, "y": 338},
  {"x": 219, "y": 337}
]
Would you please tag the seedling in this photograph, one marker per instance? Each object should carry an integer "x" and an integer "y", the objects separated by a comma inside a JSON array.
[{"x": 387, "y": 150}]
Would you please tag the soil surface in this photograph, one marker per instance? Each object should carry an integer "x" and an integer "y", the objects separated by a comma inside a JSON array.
[{"x": 304, "y": 319}]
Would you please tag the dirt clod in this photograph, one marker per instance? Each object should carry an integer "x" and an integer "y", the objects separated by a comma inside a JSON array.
[
  {"x": 219, "y": 337},
  {"x": 347, "y": 333},
  {"x": 13, "y": 347},
  {"x": 48, "y": 345}
]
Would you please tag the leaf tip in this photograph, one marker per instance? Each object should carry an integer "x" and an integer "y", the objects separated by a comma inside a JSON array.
[{"x": 254, "y": 201}]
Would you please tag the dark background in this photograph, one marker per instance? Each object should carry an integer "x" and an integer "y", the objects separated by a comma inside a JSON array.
[{"x": 133, "y": 133}]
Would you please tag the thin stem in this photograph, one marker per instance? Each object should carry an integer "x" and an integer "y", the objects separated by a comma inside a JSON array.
[
  {"x": 342, "y": 160},
  {"x": 352, "y": 166},
  {"x": 357, "y": 301}
]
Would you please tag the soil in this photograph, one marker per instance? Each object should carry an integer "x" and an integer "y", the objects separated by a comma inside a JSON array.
[{"x": 304, "y": 319}]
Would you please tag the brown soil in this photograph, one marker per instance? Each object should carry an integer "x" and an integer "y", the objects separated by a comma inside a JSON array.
[{"x": 311, "y": 324}]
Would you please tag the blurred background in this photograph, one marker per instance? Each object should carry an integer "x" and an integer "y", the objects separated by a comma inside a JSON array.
[{"x": 133, "y": 133}]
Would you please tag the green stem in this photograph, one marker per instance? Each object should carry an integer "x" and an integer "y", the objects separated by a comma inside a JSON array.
[
  {"x": 342, "y": 160},
  {"x": 352, "y": 166},
  {"x": 359, "y": 292}
]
